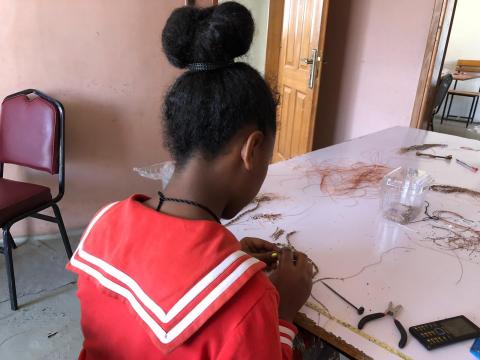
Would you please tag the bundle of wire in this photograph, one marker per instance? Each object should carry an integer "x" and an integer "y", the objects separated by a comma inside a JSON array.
[{"x": 348, "y": 181}]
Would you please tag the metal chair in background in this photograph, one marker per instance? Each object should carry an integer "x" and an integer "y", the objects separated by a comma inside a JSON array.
[
  {"x": 442, "y": 90},
  {"x": 32, "y": 134},
  {"x": 465, "y": 70}
]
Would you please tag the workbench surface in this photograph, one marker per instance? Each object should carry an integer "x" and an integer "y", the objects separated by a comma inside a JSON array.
[{"x": 401, "y": 263}]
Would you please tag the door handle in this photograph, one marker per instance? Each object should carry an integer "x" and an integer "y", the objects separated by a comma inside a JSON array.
[{"x": 313, "y": 66}]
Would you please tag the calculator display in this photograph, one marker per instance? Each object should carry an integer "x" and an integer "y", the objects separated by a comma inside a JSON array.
[{"x": 458, "y": 327}]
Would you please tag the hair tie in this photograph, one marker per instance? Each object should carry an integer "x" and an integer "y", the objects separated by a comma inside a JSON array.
[{"x": 198, "y": 66}]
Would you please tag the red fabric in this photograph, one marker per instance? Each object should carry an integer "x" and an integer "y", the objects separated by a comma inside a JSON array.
[
  {"x": 18, "y": 197},
  {"x": 167, "y": 256},
  {"x": 29, "y": 133}
]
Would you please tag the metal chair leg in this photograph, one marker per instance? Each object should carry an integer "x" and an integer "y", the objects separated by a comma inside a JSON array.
[
  {"x": 450, "y": 106},
  {"x": 430, "y": 123},
  {"x": 444, "y": 109},
  {"x": 470, "y": 113},
  {"x": 63, "y": 232},
  {"x": 12, "y": 242},
  {"x": 475, "y": 109},
  {"x": 7, "y": 252}
]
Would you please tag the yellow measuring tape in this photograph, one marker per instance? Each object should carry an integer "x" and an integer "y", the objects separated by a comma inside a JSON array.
[{"x": 357, "y": 331}]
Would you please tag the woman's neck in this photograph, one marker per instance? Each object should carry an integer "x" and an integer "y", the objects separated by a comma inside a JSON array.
[{"x": 193, "y": 182}]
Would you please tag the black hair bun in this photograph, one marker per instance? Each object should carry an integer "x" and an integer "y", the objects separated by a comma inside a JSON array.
[{"x": 215, "y": 34}]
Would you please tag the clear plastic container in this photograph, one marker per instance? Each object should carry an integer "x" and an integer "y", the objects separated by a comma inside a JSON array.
[
  {"x": 403, "y": 194},
  {"x": 162, "y": 171}
]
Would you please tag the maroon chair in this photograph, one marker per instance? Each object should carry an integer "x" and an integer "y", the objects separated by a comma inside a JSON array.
[{"x": 32, "y": 134}]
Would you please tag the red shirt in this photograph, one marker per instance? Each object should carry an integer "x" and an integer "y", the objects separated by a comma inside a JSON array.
[{"x": 153, "y": 286}]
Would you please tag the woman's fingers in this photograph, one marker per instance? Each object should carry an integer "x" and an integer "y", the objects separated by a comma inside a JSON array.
[
  {"x": 304, "y": 263},
  {"x": 266, "y": 257},
  {"x": 264, "y": 245},
  {"x": 310, "y": 268},
  {"x": 256, "y": 245},
  {"x": 301, "y": 259},
  {"x": 286, "y": 257}
]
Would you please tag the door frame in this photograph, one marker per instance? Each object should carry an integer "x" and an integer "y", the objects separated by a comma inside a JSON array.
[
  {"x": 272, "y": 63},
  {"x": 274, "y": 41},
  {"x": 436, "y": 49},
  {"x": 274, "y": 37}
]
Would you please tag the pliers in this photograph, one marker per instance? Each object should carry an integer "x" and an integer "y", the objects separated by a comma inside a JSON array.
[{"x": 393, "y": 312}]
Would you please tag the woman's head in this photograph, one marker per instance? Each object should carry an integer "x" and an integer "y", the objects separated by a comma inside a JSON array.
[{"x": 208, "y": 114}]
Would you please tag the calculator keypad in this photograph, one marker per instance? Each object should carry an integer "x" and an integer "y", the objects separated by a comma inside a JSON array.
[
  {"x": 432, "y": 335},
  {"x": 436, "y": 334}
]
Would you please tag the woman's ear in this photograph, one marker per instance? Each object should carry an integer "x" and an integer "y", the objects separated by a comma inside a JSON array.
[{"x": 251, "y": 149}]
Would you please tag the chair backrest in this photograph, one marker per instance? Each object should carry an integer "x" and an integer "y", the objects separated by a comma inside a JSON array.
[
  {"x": 30, "y": 131},
  {"x": 442, "y": 90},
  {"x": 466, "y": 66}
]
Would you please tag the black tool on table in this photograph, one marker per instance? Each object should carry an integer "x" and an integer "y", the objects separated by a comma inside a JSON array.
[
  {"x": 445, "y": 332},
  {"x": 393, "y": 312},
  {"x": 360, "y": 309}
]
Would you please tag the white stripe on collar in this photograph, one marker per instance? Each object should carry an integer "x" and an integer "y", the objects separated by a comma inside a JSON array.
[
  {"x": 286, "y": 341},
  {"x": 163, "y": 316},
  {"x": 163, "y": 336},
  {"x": 146, "y": 301}
]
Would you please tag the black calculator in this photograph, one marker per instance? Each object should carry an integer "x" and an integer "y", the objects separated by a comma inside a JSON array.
[{"x": 445, "y": 332}]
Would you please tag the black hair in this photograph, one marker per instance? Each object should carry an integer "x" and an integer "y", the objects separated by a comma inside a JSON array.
[{"x": 203, "y": 110}]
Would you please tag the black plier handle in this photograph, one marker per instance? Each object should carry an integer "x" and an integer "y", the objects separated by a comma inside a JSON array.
[
  {"x": 403, "y": 334},
  {"x": 363, "y": 321}
]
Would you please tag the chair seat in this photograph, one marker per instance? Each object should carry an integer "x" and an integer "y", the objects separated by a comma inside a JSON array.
[
  {"x": 464, "y": 93},
  {"x": 17, "y": 197}
]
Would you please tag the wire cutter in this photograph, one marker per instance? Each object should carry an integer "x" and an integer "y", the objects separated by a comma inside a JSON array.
[{"x": 393, "y": 312}]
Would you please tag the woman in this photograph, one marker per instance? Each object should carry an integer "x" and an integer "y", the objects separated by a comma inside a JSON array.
[{"x": 163, "y": 279}]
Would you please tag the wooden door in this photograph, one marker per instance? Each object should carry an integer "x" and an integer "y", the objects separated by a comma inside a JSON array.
[{"x": 301, "y": 55}]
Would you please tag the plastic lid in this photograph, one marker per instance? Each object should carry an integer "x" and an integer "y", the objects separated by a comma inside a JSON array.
[{"x": 408, "y": 180}]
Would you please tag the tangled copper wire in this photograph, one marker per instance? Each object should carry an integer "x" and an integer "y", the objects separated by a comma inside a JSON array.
[
  {"x": 349, "y": 181},
  {"x": 458, "y": 235}
]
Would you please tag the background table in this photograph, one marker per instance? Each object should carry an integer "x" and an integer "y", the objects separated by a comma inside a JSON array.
[
  {"x": 465, "y": 76},
  {"x": 343, "y": 235}
]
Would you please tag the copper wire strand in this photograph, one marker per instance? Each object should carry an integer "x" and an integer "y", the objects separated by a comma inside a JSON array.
[
  {"x": 290, "y": 246},
  {"x": 277, "y": 234},
  {"x": 420, "y": 147},
  {"x": 459, "y": 236},
  {"x": 439, "y": 250},
  {"x": 352, "y": 181},
  {"x": 359, "y": 272},
  {"x": 452, "y": 250},
  {"x": 257, "y": 201},
  {"x": 450, "y": 189}
]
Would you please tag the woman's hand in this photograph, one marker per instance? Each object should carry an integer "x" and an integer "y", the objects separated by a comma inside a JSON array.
[
  {"x": 262, "y": 250},
  {"x": 293, "y": 280}
]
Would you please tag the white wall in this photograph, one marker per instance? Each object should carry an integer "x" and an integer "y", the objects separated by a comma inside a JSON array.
[
  {"x": 259, "y": 9},
  {"x": 374, "y": 54},
  {"x": 464, "y": 44},
  {"x": 103, "y": 60}
]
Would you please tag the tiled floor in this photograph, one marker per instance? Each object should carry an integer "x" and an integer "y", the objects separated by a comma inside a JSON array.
[
  {"x": 457, "y": 128},
  {"x": 47, "y": 324}
]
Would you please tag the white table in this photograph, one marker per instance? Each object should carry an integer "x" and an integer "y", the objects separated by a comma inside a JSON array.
[{"x": 343, "y": 235}]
